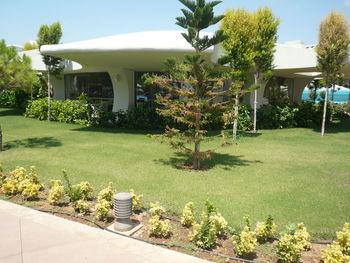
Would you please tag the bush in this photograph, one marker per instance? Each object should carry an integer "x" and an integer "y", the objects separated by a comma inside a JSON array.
[
  {"x": 276, "y": 116},
  {"x": 338, "y": 251},
  {"x": 75, "y": 192},
  {"x": 82, "y": 207},
  {"x": 156, "y": 209},
  {"x": 102, "y": 210},
  {"x": 107, "y": 194},
  {"x": 85, "y": 189},
  {"x": 158, "y": 227},
  {"x": 288, "y": 249},
  {"x": 56, "y": 193},
  {"x": 136, "y": 200},
  {"x": 188, "y": 218},
  {"x": 218, "y": 223},
  {"x": 15, "y": 98},
  {"x": 303, "y": 237},
  {"x": 245, "y": 242},
  {"x": 265, "y": 230}
]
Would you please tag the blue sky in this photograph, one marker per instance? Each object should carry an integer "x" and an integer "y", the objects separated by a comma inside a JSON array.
[{"x": 87, "y": 19}]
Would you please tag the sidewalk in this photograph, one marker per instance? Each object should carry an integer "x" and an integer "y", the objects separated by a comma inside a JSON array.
[{"x": 30, "y": 236}]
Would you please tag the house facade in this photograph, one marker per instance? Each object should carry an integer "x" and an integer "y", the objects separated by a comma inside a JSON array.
[{"x": 109, "y": 69}]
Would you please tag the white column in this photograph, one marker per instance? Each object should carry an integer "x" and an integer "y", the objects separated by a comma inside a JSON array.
[{"x": 123, "y": 88}]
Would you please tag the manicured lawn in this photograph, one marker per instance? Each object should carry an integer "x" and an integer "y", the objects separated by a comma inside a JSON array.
[{"x": 293, "y": 174}]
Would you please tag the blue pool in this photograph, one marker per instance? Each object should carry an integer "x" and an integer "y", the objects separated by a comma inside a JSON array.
[{"x": 340, "y": 96}]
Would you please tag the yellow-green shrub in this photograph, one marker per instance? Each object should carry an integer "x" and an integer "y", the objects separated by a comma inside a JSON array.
[
  {"x": 156, "y": 209},
  {"x": 10, "y": 186},
  {"x": 158, "y": 227},
  {"x": 303, "y": 237},
  {"x": 288, "y": 249},
  {"x": 203, "y": 235},
  {"x": 18, "y": 173},
  {"x": 82, "y": 207},
  {"x": 245, "y": 242},
  {"x": 56, "y": 193},
  {"x": 29, "y": 189},
  {"x": 265, "y": 230},
  {"x": 102, "y": 210},
  {"x": 107, "y": 194},
  {"x": 33, "y": 176},
  {"x": 188, "y": 219},
  {"x": 136, "y": 200},
  {"x": 85, "y": 189},
  {"x": 339, "y": 251},
  {"x": 219, "y": 223},
  {"x": 2, "y": 176}
]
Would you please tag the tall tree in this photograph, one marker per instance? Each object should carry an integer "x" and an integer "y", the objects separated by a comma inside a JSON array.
[
  {"x": 332, "y": 51},
  {"x": 196, "y": 85},
  {"x": 49, "y": 35},
  {"x": 264, "y": 41},
  {"x": 238, "y": 26},
  {"x": 15, "y": 72}
]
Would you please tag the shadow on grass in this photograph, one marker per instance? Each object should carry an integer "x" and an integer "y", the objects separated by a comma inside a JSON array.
[
  {"x": 10, "y": 112},
  {"x": 42, "y": 142},
  {"x": 116, "y": 130},
  {"x": 338, "y": 126},
  {"x": 184, "y": 161}
]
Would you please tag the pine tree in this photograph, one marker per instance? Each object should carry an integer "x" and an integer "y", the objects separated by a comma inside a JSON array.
[
  {"x": 332, "y": 51},
  {"x": 49, "y": 35},
  {"x": 191, "y": 84}
]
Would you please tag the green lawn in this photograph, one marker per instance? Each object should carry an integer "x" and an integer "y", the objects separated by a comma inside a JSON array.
[{"x": 293, "y": 174}]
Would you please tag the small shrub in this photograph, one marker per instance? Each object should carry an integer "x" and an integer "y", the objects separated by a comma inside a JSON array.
[
  {"x": 85, "y": 189},
  {"x": 245, "y": 242},
  {"x": 136, "y": 201},
  {"x": 303, "y": 237},
  {"x": 102, "y": 210},
  {"x": 74, "y": 193},
  {"x": 158, "y": 227},
  {"x": 265, "y": 230},
  {"x": 107, "y": 194},
  {"x": 288, "y": 249},
  {"x": 156, "y": 209},
  {"x": 203, "y": 235},
  {"x": 29, "y": 189},
  {"x": 219, "y": 224},
  {"x": 339, "y": 251},
  {"x": 188, "y": 219},
  {"x": 82, "y": 207},
  {"x": 10, "y": 186},
  {"x": 56, "y": 193}
]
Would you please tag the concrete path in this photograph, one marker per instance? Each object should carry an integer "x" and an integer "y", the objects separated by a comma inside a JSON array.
[{"x": 30, "y": 236}]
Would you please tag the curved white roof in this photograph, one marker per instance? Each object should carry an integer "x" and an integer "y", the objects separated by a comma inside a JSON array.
[{"x": 150, "y": 40}]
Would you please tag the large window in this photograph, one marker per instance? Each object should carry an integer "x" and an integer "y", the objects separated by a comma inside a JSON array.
[{"x": 98, "y": 86}]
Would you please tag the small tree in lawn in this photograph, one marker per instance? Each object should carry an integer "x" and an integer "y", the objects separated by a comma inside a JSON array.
[
  {"x": 264, "y": 42},
  {"x": 332, "y": 51},
  {"x": 191, "y": 85},
  {"x": 49, "y": 35},
  {"x": 238, "y": 27},
  {"x": 15, "y": 72}
]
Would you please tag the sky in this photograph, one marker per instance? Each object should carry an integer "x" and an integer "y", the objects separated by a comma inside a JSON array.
[{"x": 87, "y": 19}]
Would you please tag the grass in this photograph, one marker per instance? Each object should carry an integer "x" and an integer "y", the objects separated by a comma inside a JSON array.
[{"x": 293, "y": 174}]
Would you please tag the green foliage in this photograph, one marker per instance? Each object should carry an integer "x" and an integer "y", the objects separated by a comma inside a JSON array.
[
  {"x": 158, "y": 227},
  {"x": 56, "y": 193},
  {"x": 85, "y": 189},
  {"x": 288, "y": 250},
  {"x": 136, "y": 201},
  {"x": 188, "y": 218},
  {"x": 15, "y": 71},
  {"x": 74, "y": 193},
  {"x": 30, "y": 46},
  {"x": 338, "y": 251},
  {"x": 156, "y": 209},
  {"x": 82, "y": 207},
  {"x": 245, "y": 242},
  {"x": 15, "y": 98},
  {"x": 107, "y": 194},
  {"x": 68, "y": 111},
  {"x": 265, "y": 230},
  {"x": 102, "y": 210}
]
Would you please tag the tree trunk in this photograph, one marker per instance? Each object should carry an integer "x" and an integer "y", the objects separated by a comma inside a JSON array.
[
  {"x": 332, "y": 103},
  {"x": 48, "y": 96},
  {"x": 255, "y": 101},
  {"x": 324, "y": 112},
  {"x": 235, "y": 120},
  {"x": 196, "y": 160}
]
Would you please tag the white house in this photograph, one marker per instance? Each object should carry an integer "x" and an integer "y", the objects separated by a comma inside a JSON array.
[{"x": 109, "y": 69}]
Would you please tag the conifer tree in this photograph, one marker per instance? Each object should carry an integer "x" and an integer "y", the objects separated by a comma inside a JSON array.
[
  {"x": 49, "y": 35},
  {"x": 191, "y": 84},
  {"x": 332, "y": 51}
]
